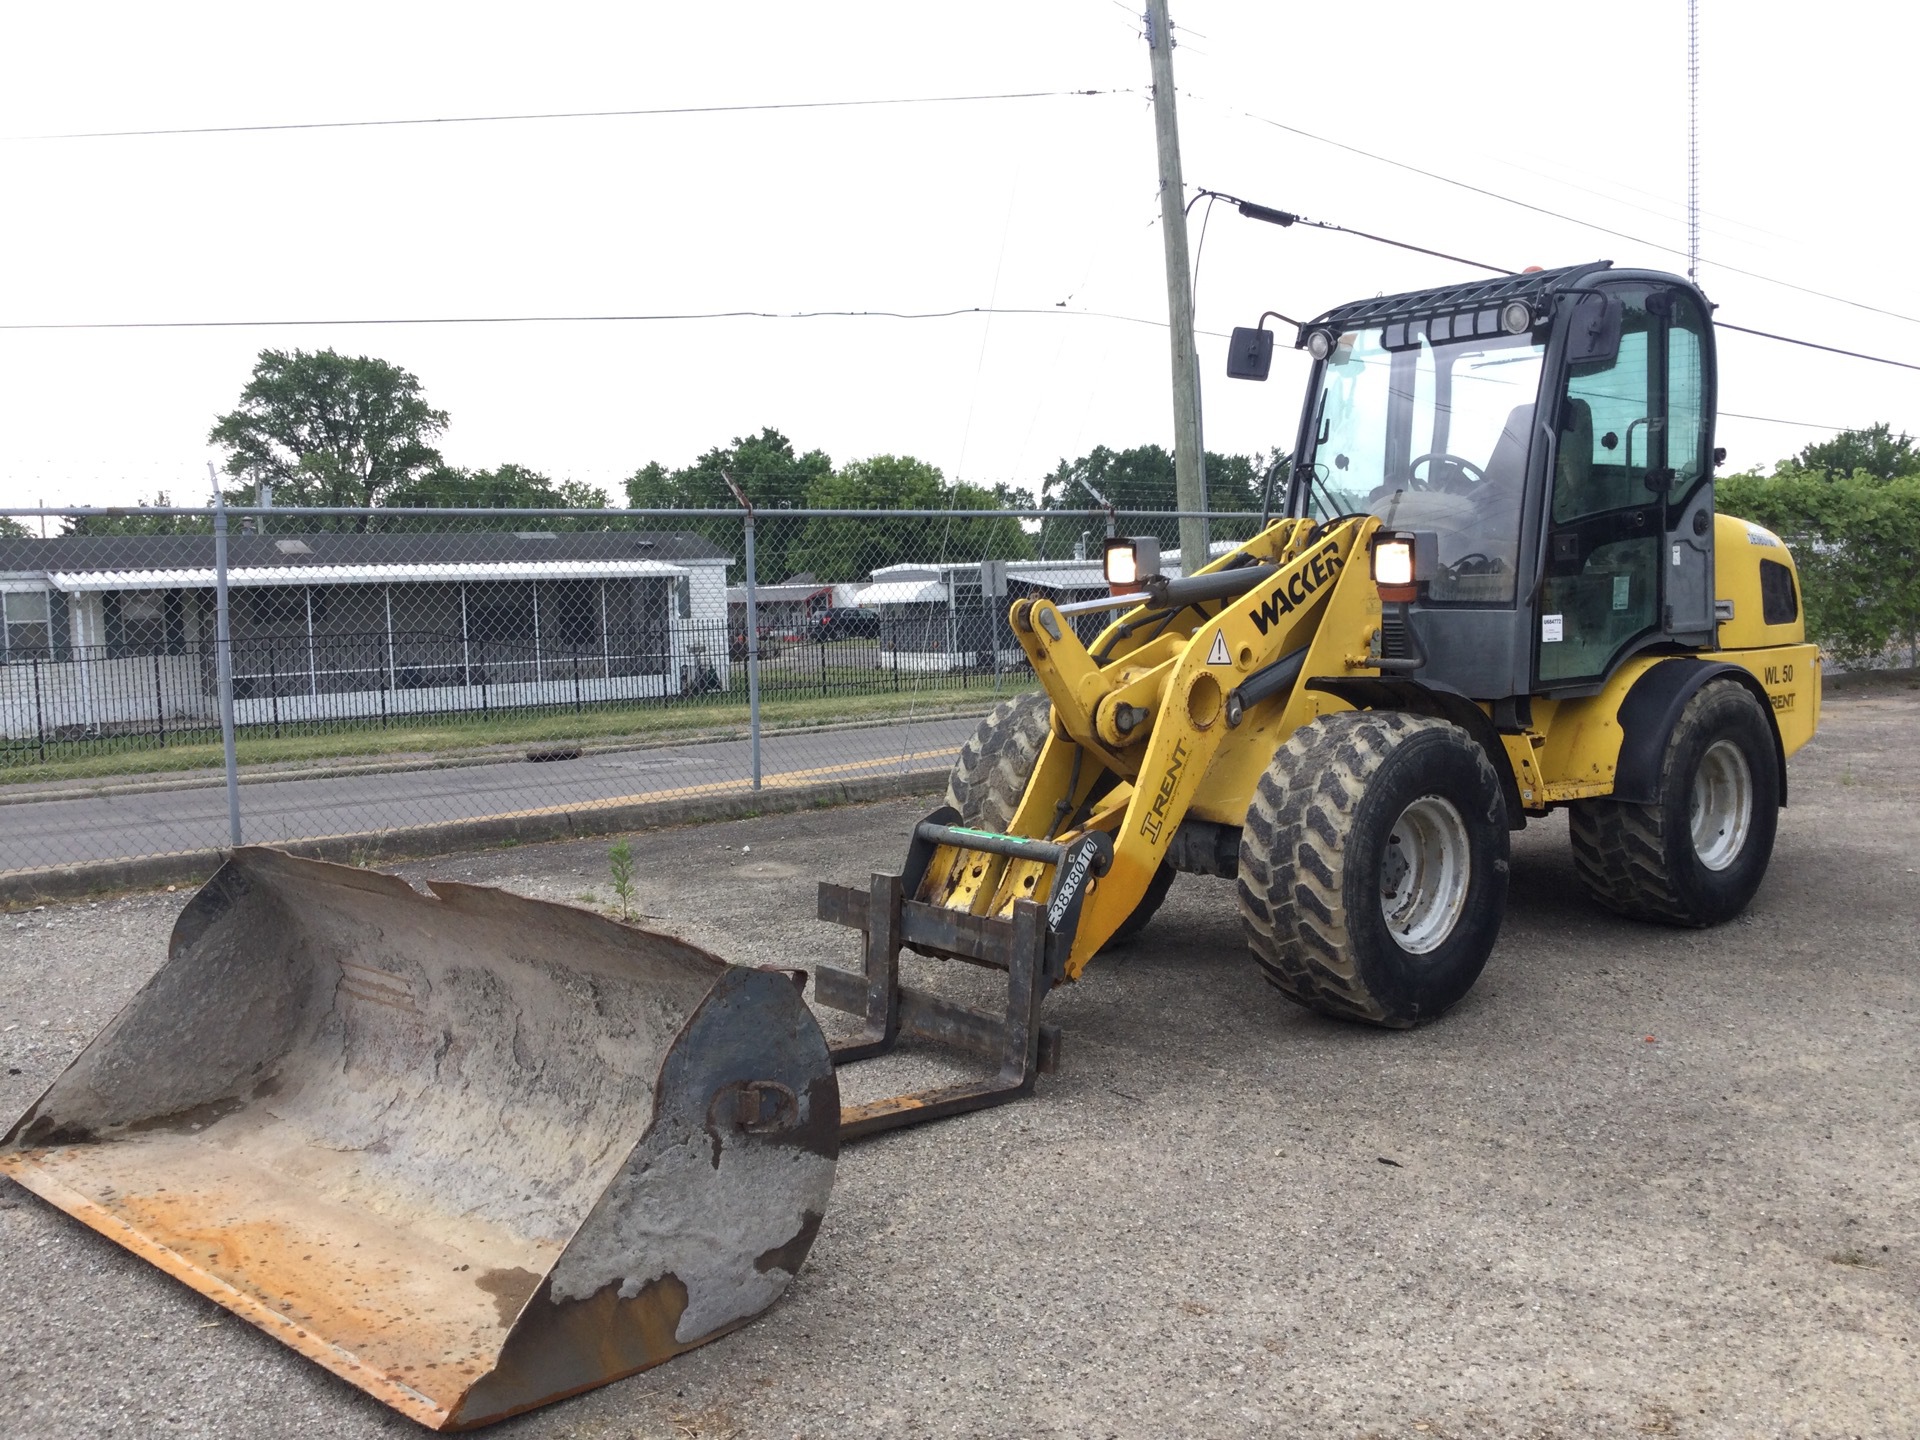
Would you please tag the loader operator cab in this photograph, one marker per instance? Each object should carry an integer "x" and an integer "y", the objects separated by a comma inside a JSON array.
[{"x": 1549, "y": 433}]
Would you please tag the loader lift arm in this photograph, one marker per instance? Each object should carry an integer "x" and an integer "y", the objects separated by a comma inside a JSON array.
[{"x": 1198, "y": 669}]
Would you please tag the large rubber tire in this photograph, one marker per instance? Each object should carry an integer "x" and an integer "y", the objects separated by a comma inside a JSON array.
[
  {"x": 1314, "y": 866},
  {"x": 993, "y": 767},
  {"x": 1651, "y": 862},
  {"x": 990, "y": 776}
]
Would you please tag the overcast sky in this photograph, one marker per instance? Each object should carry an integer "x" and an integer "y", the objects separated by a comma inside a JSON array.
[{"x": 1042, "y": 203}]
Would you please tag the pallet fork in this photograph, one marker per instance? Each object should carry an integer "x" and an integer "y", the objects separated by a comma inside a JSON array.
[{"x": 1030, "y": 943}]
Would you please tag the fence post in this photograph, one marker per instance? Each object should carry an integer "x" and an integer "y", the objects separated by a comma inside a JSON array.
[
  {"x": 159, "y": 702},
  {"x": 39, "y": 711},
  {"x": 223, "y": 656},
  {"x": 753, "y": 636}
]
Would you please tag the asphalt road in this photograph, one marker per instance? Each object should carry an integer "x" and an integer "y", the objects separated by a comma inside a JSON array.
[
  {"x": 1640, "y": 1182},
  {"x": 65, "y": 832}
]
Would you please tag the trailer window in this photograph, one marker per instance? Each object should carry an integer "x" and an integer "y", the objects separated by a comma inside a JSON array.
[{"x": 28, "y": 633}]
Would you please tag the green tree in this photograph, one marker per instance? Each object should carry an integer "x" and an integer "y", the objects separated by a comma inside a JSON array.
[
  {"x": 765, "y": 466},
  {"x": 1876, "y": 450},
  {"x": 328, "y": 429},
  {"x": 1856, "y": 542},
  {"x": 832, "y": 549},
  {"x": 143, "y": 524},
  {"x": 506, "y": 487},
  {"x": 1142, "y": 479}
]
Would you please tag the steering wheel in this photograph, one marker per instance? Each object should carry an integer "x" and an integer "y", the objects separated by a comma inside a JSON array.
[
  {"x": 1458, "y": 476},
  {"x": 1478, "y": 562}
]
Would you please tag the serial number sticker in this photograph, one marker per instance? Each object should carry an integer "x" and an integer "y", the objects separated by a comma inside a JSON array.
[
  {"x": 1553, "y": 628},
  {"x": 1622, "y": 589}
]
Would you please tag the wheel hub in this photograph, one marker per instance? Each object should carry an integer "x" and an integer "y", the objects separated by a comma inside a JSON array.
[
  {"x": 1424, "y": 874},
  {"x": 1722, "y": 809}
]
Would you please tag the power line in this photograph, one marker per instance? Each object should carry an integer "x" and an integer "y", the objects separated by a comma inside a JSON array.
[
  {"x": 1561, "y": 215},
  {"x": 1276, "y": 216},
  {"x": 589, "y": 319},
  {"x": 1797, "y": 424},
  {"x": 1254, "y": 211},
  {"x": 1814, "y": 345},
  {"x": 571, "y": 115}
]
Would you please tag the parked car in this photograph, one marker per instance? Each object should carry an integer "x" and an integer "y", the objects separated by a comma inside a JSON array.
[{"x": 844, "y": 623}]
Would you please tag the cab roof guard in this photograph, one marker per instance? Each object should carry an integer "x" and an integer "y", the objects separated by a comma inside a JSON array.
[{"x": 1482, "y": 298}]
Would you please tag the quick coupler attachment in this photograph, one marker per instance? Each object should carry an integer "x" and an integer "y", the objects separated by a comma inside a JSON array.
[{"x": 1026, "y": 939}]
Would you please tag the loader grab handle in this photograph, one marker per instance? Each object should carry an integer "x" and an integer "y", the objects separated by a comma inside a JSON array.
[{"x": 1014, "y": 847}]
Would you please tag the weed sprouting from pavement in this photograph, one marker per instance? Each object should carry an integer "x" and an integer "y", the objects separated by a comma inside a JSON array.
[{"x": 620, "y": 864}]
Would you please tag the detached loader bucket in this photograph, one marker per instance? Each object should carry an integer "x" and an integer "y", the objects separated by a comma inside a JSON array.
[{"x": 470, "y": 1152}]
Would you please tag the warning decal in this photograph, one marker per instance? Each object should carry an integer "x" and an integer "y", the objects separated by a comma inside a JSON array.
[{"x": 1218, "y": 654}]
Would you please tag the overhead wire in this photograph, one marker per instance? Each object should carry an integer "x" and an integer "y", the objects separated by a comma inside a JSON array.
[
  {"x": 1435, "y": 175},
  {"x": 1780, "y": 420},
  {"x": 588, "y": 319},
  {"x": 1277, "y": 216},
  {"x": 509, "y": 117}
]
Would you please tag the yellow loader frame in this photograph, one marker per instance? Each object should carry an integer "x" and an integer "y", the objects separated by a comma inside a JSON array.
[{"x": 1188, "y": 711}]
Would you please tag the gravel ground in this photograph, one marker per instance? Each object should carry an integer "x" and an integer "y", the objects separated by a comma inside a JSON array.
[{"x": 1640, "y": 1182}]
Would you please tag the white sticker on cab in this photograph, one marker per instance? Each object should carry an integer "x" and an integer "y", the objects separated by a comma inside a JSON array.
[{"x": 1552, "y": 628}]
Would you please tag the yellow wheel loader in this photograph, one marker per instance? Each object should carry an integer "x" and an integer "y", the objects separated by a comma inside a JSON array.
[
  {"x": 1500, "y": 588},
  {"x": 474, "y": 1152}
]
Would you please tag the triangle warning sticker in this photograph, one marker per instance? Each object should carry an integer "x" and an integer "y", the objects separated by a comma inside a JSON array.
[{"x": 1218, "y": 654}]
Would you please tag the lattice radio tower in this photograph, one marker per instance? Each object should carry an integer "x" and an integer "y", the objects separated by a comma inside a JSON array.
[{"x": 1693, "y": 139}]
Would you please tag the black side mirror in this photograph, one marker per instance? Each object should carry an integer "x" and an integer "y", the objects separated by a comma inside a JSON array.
[
  {"x": 1249, "y": 353},
  {"x": 1593, "y": 333}
]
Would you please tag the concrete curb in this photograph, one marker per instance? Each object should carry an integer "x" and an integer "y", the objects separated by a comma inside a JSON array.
[
  {"x": 462, "y": 759},
  {"x": 412, "y": 842}
]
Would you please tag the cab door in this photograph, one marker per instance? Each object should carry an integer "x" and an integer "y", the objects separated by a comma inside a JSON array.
[
  {"x": 1687, "y": 612},
  {"x": 1627, "y": 561}
]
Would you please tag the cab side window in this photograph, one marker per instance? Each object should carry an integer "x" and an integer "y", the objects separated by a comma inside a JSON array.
[{"x": 1602, "y": 586}]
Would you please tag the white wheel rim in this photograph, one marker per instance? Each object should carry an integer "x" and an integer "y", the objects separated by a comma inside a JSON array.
[
  {"x": 1424, "y": 873},
  {"x": 1722, "y": 805}
]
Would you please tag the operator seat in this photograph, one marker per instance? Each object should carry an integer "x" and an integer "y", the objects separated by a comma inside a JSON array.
[
  {"x": 1506, "y": 468},
  {"x": 1496, "y": 499},
  {"x": 1573, "y": 492}
]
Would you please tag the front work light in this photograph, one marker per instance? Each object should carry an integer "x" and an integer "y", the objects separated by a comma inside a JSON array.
[
  {"x": 1401, "y": 560},
  {"x": 1516, "y": 317},
  {"x": 1131, "y": 559},
  {"x": 1319, "y": 343}
]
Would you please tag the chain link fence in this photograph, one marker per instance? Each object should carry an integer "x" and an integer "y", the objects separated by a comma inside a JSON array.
[{"x": 370, "y": 681}]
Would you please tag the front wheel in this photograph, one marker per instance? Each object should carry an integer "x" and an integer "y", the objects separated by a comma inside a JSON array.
[
  {"x": 990, "y": 778},
  {"x": 1373, "y": 867},
  {"x": 1697, "y": 855}
]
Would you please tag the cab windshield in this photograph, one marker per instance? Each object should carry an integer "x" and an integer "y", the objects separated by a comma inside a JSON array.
[{"x": 1430, "y": 437}]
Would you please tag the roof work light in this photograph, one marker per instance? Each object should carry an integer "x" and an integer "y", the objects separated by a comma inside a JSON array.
[{"x": 1131, "y": 559}]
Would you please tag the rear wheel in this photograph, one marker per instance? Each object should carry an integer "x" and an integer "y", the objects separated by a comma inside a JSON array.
[
  {"x": 1697, "y": 855},
  {"x": 1373, "y": 866},
  {"x": 990, "y": 777}
]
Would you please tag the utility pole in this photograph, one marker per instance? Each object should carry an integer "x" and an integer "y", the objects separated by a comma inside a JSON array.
[
  {"x": 1189, "y": 476},
  {"x": 1693, "y": 139}
]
